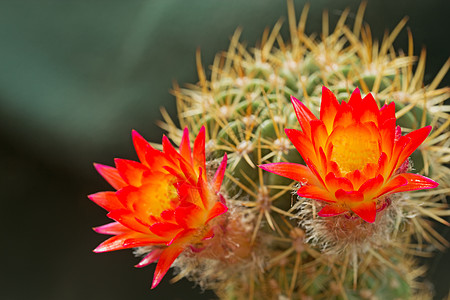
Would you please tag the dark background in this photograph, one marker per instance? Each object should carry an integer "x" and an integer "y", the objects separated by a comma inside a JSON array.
[{"x": 77, "y": 76}]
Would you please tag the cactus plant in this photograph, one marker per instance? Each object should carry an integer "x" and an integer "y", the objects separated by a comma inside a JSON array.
[{"x": 271, "y": 244}]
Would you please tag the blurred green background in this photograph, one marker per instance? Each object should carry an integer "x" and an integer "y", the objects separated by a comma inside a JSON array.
[{"x": 77, "y": 76}]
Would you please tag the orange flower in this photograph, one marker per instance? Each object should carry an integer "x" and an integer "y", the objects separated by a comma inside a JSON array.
[
  {"x": 355, "y": 155},
  {"x": 164, "y": 201}
]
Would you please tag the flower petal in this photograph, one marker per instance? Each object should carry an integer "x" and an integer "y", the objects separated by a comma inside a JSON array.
[
  {"x": 349, "y": 197},
  {"x": 292, "y": 171},
  {"x": 115, "y": 243},
  {"x": 368, "y": 110},
  {"x": 111, "y": 175},
  {"x": 153, "y": 256},
  {"x": 218, "y": 176},
  {"x": 130, "y": 171},
  {"x": 414, "y": 182},
  {"x": 331, "y": 210},
  {"x": 165, "y": 261},
  {"x": 315, "y": 192},
  {"x": 302, "y": 143},
  {"x": 106, "y": 200},
  {"x": 387, "y": 112},
  {"x": 170, "y": 153},
  {"x": 366, "y": 211},
  {"x": 147, "y": 240},
  {"x": 416, "y": 138},
  {"x": 185, "y": 146},
  {"x": 387, "y": 133},
  {"x": 319, "y": 134},
  {"x": 344, "y": 116},
  {"x": 218, "y": 209},
  {"x": 355, "y": 98},
  {"x": 128, "y": 219},
  {"x": 356, "y": 178},
  {"x": 199, "y": 151},
  {"x": 203, "y": 191},
  {"x": 391, "y": 185},
  {"x": 189, "y": 215},
  {"x": 328, "y": 109},
  {"x": 334, "y": 183},
  {"x": 304, "y": 115},
  {"x": 166, "y": 230},
  {"x": 370, "y": 188},
  {"x": 157, "y": 160},
  {"x": 114, "y": 228},
  {"x": 140, "y": 145}
]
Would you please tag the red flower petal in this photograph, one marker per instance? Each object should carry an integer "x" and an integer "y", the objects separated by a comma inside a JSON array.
[
  {"x": 366, "y": 211},
  {"x": 416, "y": 138},
  {"x": 344, "y": 116},
  {"x": 130, "y": 171},
  {"x": 391, "y": 185},
  {"x": 387, "y": 112},
  {"x": 188, "y": 172},
  {"x": 368, "y": 110},
  {"x": 218, "y": 209},
  {"x": 304, "y": 115},
  {"x": 371, "y": 170},
  {"x": 356, "y": 178},
  {"x": 334, "y": 167},
  {"x": 331, "y": 210},
  {"x": 114, "y": 228},
  {"x": 209, "y": 235},
  {"x": 414, "y": 182},
  {"x": 383, "y": 164},
  {"x": 168, "y": 215},
  {"x": 128, "y": 219},
  {"x": 189, "y": 215},
  {"x": 111, "y": 175},
  {"x": 301, "y": 142},
  {"x": 199, "y": 151},
  {"x": 315, "y": 192},
  {"x": 170, "y": 153},
  {"x": 394, "y": 161},
  {"x": 165, "y": 261},
  {"x": 115, "y": 243},
  {"x": 150, "y": 258},
  {"x": 371, "y": 187},
  {"x": 184, "y": 237},
  {"x": 292, "y": 171},
  {"x": 166, "y": 230},
  {"x": 328, "y": 108},
  {"x": 148, "y": 240},
  {"x": 128, "y": 196},
  {"x": 349, "y": 197},
  {"x": 157, "y": 160},
  {"x": 314, "y": 170},
  {"x": 203, "y": 191},
  {"x": 319, "y": 132},
  {"x": 107, "y": 200},
  {"x": 334, "y": 183},
  {"x": 355, "y": 98},
  {"x": 218, "y": 177},
  {"x": 185, "y": 146},
  {"x": 387, "y": 133},
  {"x": 141, "y": 146}
]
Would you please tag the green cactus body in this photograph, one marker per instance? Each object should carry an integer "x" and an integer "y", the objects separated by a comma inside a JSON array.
[{"x": 246, "y": 119}]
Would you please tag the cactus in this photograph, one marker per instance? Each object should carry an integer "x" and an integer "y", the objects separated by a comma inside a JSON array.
[
  {"x": 245, "y": 107},
  {"x": 271, "y": 244}
]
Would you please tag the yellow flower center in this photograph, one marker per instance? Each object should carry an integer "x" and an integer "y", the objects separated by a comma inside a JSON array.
[
  {"x": 160, "y": 195},
  {"x": 354, "y": 147}
]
